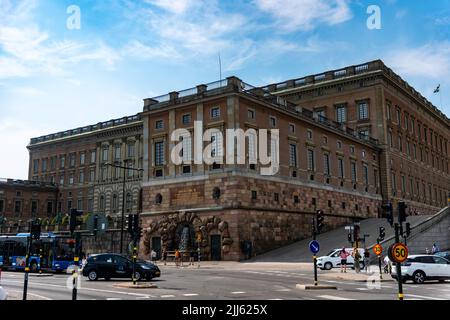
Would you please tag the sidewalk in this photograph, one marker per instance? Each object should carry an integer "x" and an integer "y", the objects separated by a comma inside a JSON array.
[{"x": 240, "y": 265}]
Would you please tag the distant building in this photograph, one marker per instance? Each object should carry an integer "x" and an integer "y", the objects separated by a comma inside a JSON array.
[{"x": 350, "y": 139}]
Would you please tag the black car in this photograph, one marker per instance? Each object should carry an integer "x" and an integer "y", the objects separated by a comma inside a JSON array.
[{"x": 110, "y": 265}]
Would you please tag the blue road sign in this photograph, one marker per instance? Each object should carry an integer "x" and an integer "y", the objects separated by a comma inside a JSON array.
[{"x": 314, "y": 246}]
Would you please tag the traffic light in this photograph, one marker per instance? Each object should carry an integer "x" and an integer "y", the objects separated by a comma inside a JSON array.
[
  {"x": 130, "y": 224},
  {"x": 382, "y": 234},
  {"x": 402, "y": 212},
  {"x": 35, "y": 231},
  {"x": 135, "y": 223},
  {"x": 75, "y": 219},
  {"x": 320, "y": 220},
  {"x": 389, "y": 213},
  {"x": 95, "y": 224},
  {"x": 408, "y": 229},
  {"x": 349, "y": 237},
  {"x": 356, "y": 232}
]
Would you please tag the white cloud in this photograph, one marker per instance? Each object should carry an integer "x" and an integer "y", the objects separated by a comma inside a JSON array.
[
  {"x": 293, "y": 15},
  {"x": 139, "y": 50},
  {"x": 429, "y": 61},
  {"x": 174, "y": 6}
]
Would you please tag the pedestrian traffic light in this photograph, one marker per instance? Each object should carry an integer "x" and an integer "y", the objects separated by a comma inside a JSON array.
[
  {"x": 349, "y": 237},
  {"x": 408, "y": 229},
  {"x": 320, "y": 220},
  {"x": 75, "y": 219},
  {"x": 130, "y": 224},
  {"x": 402, "y": 212},
  {"x": 136, "y": 224},
  {"x": 382, "y": 234},
  {"x": 388, "y": 213}
]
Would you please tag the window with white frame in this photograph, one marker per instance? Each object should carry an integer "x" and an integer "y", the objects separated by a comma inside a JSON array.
[
  {"x": 341, "y": 168},
  {"x": 326, "y": 164},
  {"x": 353, "y": 170},
  {"x": 311, "y": 160},
  {"x": 187, "y": 149},
  {"x": 117, "y": 152},
  {"x": 341, "y": 113},
  {"x": 159, "y": 124},
  {"x": 186, "y": 118},
  {"x": 216, "y": 145},
  {"x": 105, "y": 154},
  {"x": 131, "y": 149},
  {"x": 82, "y": 158},
  {"x": 215, "y": 112},
  {"x": 363, "y": 110},
  {"x": 252, "y": 148},
  {"x": 159, "y": 153},
  {"x": 292, "y": 155},
  {"x": 366, "y": 174}
]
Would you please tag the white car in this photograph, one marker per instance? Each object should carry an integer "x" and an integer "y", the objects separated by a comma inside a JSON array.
[
  {"x": 333, "y": 259},
  {"x": 420, "y": 268},
  {"x": 3, "y": 294}
]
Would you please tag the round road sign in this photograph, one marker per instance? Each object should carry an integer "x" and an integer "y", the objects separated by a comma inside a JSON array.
[
  {"x": 398, "y": 252},
  {"x": 378, "y": 249},
  {"x": 314, "y": 246}
]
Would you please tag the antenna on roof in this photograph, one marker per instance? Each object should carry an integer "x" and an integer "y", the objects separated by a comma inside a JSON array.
[{"x": 220, "y": 69}]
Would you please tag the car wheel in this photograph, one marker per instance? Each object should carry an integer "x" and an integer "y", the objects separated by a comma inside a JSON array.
[
  {"x": 92, "y": 275},
  {"x": 419, "y": 277},
  {"x": 137, "y": 276},
  {"x": 328, "y": 266},
  {"x": 33, "y": 266}
]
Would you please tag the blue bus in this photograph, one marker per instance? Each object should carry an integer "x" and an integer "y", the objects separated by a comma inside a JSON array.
[{"x": 57, "y": 255}]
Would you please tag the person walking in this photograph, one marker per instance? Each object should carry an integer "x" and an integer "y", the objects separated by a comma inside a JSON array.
[
  {"x": 177, "y": 258},
  {"x": 366, "y": 259},
  {"x": 435, "y": 249},
  {"x": 165, "y": 256},
  {"x": 357, "y": 259},
  {"x": 153, "y": 256},
  {"x": 191, "y": 257},
  {"x": 344, "y": 254},
  {"x": 387, "y": 265}
]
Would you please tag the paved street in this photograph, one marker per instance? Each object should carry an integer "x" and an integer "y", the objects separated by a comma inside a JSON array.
[{"x": 229, "y": 281}]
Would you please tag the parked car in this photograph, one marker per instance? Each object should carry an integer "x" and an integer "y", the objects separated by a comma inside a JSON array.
[
  {"x": 443, "y": 254},
  {"x": 110, "y": 265},
  {"x": 333, "y": 259},
  {"x": 420, "y": 268},
  {"x": 3, "y": 294}
]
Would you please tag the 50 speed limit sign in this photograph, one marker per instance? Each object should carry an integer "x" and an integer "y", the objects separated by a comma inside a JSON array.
[{"x": 398, "y": 252}]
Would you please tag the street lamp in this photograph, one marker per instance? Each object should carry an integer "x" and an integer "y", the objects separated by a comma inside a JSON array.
[{"x": 124, "y": 167}]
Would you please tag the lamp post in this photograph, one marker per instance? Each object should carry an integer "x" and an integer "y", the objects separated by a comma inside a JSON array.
[{"x": 124, "y": 167}]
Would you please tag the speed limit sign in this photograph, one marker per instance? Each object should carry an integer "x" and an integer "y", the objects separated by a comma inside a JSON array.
[
  {"x": 398, "y": 252},
  {"x": 378, "y": 249}
]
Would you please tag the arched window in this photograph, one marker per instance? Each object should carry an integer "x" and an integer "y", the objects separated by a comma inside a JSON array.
[{"x": 102, "y": 203}]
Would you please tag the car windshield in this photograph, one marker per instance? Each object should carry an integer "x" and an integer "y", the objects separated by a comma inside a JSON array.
[{"x": 331, "y": 252}]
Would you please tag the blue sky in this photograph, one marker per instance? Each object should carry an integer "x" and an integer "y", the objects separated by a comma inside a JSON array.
[{"x": 53, "y": 78}]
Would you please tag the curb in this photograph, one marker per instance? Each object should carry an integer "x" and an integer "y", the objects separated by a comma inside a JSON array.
[
  {"x": 135, "y": 286},
  {"x": 313, "y": 287}
]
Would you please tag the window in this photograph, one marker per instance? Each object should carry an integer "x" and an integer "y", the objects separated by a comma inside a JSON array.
[
  {"x": 81, "y": 177},
  {"x": 69, "y": 205},
  {"x": 72, "y": 160},
  {"x": 321, "y": 115},
  {"x": 366, "y": 174},
  {"x": 254, "y": 195},
  {"x": 44, "y": 165},
  {"x": 353, "y": 170},
  {"x": 35, "y": 166},
  {"x": 34, "y": 207},
  {"x": 93, "y": 156},
  {"x": 415, "y": 151},
  {"x": 352, "y": 149},
  {"x": 104, "y": 173},
  {"x": 49, "y": 207},
  {"x": 293, "y": 155},
  {"x": 364, "y": 134},
  {"x": 309, "y": 134},
  {"x": 102, "y": 203},
  {"x": 92, "y": 175},
  {"x": 82, "y": 158},
  {"x": 411, "y": 186},
  {"x": 389, "y": 111},
  {"x": 311, "y": 161},
  {"x": 216, "y": 145},
  {"x": 129, "y": 202},
  {"x": 71, "y": 179},
  {"x": 325, "y": 140},
  {"x": 252, "y": 148},
  {"x": 341, "y": 113},
  {"x": 115, "y": 203},
  {"x": 62, "y": 161},
  {"x": 2, "y": 205},
  {"x": 105, "y": 154},
  {"x": 18, "y": 207},
  {"x": 400, "y": 143},
  {"x": 363, "y": 111},
  {"x": 215, "y": 112},
  {"x": 159, "y": 153},
  {"x": 117, "y": 152},
  {"x": 390, "y": 140},
  {"x": 341, "y": 168},
  {"x": 53, "y": 163},
  {"x": 394, "y": 184},
  {"x": 80, "y": 204},
  {"x": 339, "y": 145},
  {"x": 251, "y": 114},
  {"x": 90, "y": 204},
  {"x": 273, "y": 122},
  {"x": 398, "y": 116},
  {"x": 130, "y": 149},
  {"x": 159, "y": 124},
  {"x": 291, "y": 128},
  {"x": 130, "y": 170},
  {"x": 186, "y": 118},
  {"x": 187, "y": 149},
  {"x": 326, "y": 164},
  {"x": 276, "y": 197}
]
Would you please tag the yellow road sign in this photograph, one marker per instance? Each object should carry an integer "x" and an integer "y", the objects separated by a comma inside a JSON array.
[
  {"x": 377, "y": 249},
  {"x": 399, "y": 252}
]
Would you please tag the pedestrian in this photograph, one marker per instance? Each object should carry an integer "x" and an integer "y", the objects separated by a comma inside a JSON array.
[
  {"x": 191, "y": 257},
  {"x": 366, "y": 259},
  {"x": 177, "y": 257},
  {"x": 165, "y": 256},
  {"x": 387, "y": 265},
  {"x": 435, "y": 249},
  {"x": 344, "y": 254},
  {"x": 357, "y": 259},
  {"x": 153, "y": 255},
  {"x": 427, "y": 251}
]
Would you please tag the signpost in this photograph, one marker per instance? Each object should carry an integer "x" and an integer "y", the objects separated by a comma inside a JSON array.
[
  {"x": 314, "y": 247},
  {"x": 378, "y": 250}
]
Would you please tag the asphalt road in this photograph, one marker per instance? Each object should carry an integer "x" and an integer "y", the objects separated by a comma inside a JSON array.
[{"x": 222, "y": 282}]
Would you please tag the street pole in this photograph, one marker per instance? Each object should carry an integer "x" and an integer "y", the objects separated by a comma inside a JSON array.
[
  {"x": 27, "y": 268},
  {"x": 379, "y": 262},
  {"x": 40, "y": 260},
  {"x": 314, "y": 255},
  {"x": 398, "y": 265},
  {"x": 134, "y": 256},
  {"x": 123, "y": 212}
]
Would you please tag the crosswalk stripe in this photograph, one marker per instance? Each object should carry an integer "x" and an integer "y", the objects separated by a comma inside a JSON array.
[
  {"x": 424, "y": 297},
  {"x": 333, "y": 297},
  {"x": 237, "y": 292},
  {"x": 168, "y": 296},
  {"x": 190, "y": 294}
]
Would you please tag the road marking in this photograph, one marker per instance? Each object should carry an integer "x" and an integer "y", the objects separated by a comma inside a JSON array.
[
  {"x": 283, "y": 290},
  {"x": 362, "y": 289},
  {"x": 190, "y": 294},
  {"x": 31, "y": 294},
  {"x": 424, "y": 297},
  {"x": 113, "y": 299},
  {"x": 168, "y": 296},
  {"x": 275, "y": 299},
  {"x": 237, "y": 292},
  {"x": 333, "y": 297}
]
